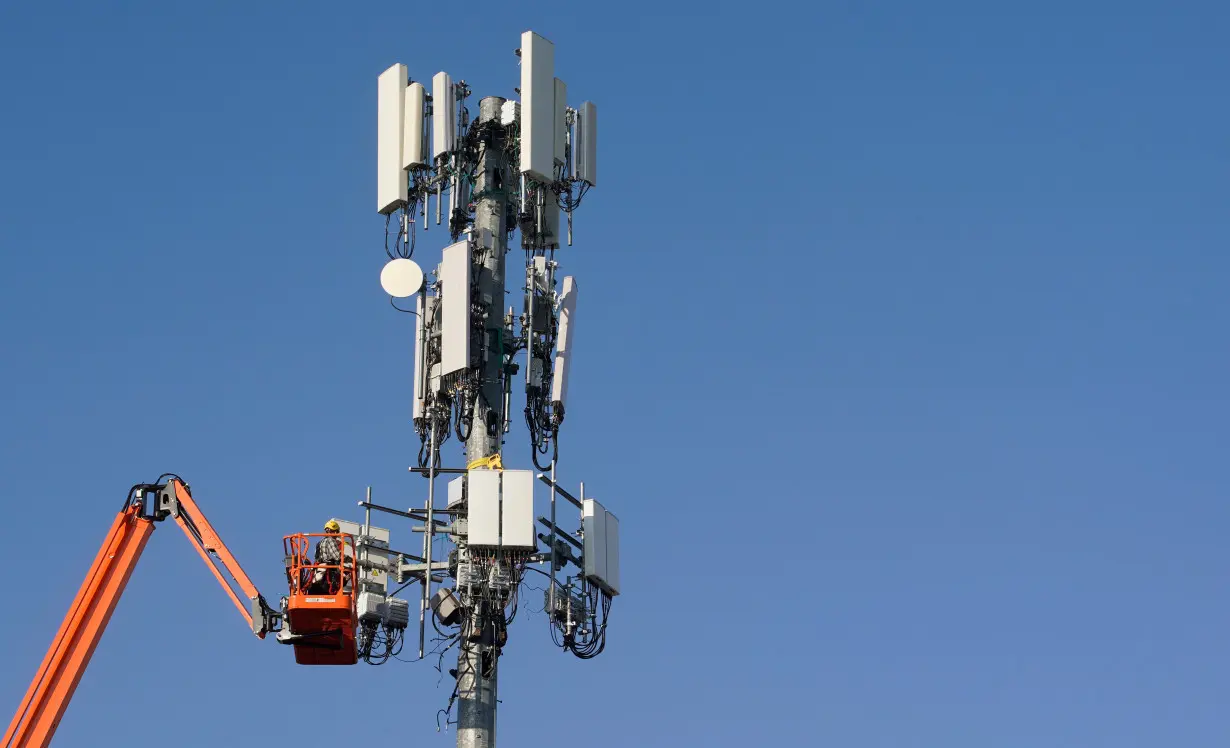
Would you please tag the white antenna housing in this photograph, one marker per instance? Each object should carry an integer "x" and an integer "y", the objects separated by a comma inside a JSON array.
[
  {"x": 510, "y": 112},
  {"x": 483, "y": 515},
  {"x": 585, "y": 154},
  {"x": 517, "y": 510},
  {"x": 443, "y": 115},
  {"x": 501, "y": 509},
  {"x": 392, "y": 189},
  {"x": 537, "y": 107},
  {"x": 550, "y": 217},
  {"x": 455, "y": 308},
  {"x": 413, "y": 152},
  {"x": 601, "y": 548},
  {"x": 560, "y": 124},
  {"x": 563, "y": 346}
]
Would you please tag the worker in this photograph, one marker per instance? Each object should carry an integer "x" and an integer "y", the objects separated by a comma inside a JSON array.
[{"x": 328, "y": 553}]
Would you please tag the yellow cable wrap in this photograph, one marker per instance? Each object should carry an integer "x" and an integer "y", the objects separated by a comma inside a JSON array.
[{"x": 487, "y": 463}]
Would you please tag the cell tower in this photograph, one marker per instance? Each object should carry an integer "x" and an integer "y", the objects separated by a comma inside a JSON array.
[{"x": 514, "y": 168}]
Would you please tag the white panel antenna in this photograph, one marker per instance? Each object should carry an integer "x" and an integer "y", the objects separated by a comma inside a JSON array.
[
  {"x": 455, "y": 308},
  {"x": 560, "y": 124},
  {"x": 537, "y": 107},
  {"x": 373, "y": 544},
  {"x": 563, "y": 346},
  {"x": 539, "y": 273},
  {"x": 612, "y": 554},
  {"x": 483, "y": 518},
  {"x": 601, "y": 547},
  {"x": 550, "y": 221},
  {"x": 413, "y": 150},
  {"x": 443, "y": 115},
  {"x": 510, "y": 112},
  {"x": 517, "y": 510},
  {"x": 585, "y": 153},
  {"x": 593, "y": 526},
  {"x": 456, "y": 491},
  {"x": 392, "y": 189},
  {"x": 501, "y": 508}
]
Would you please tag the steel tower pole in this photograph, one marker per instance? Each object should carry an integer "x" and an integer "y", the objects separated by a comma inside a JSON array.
[{"x": 476, "y": 692}]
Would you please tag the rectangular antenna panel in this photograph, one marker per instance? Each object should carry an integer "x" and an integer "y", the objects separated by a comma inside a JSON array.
[
  {"x": 539, "y": 271},
  {"x": 433, "y": 379},
  {"x": 443, "y": 114},
  {"x": 482, "y": 238},
  {"x": 560, "y": 124},
  {"x": 420, "y": 308},
  {"x": 550, "y": 219},
  {"x": 373, "y": 549},
  {"x": 517, "y": 519},
  {"x": 378, "y": 534},
  {"x": 563, "y": 344},
  {"x": 483, "y": 520},
  {"x": 456, "y": 491},
  {"x": 612, "y": 554},
  {"x": 585, "y": 153},
  {"x": 510, "y": 112},
  {"x": 391, "y": 184},
  {"x": 455, "y": 308},
  {"x": 601, "y": 547},
  {"x": 539, "y": 263},
  {"x": 537, "y": 107},
  {"x": 412, "y": 151},
  {"x": 593, "y": 525}
]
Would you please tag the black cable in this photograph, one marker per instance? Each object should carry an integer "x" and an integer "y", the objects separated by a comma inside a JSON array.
[
  {"x": 404, "y": 311},
  {"x": 534, "y": 454},
  {"x": 412, "y": 239},
  {"x": 465, "y": 415}
]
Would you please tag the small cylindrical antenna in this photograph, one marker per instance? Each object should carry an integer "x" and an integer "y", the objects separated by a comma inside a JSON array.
[
  {"x": 405, "y": 229},
  {"x": 367, "y": 524},
  {"x": 551, "y": 589},
  {"x": 428, "y": 535}
]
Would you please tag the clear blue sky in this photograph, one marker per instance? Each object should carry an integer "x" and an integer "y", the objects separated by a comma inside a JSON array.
[{"x": 902, "y": 358}]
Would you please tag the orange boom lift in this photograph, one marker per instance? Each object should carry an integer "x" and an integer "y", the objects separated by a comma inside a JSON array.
[{"x": 319, "y": 612}]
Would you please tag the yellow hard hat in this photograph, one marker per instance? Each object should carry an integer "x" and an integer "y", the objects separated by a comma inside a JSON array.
[{"x": 333, "y": 526}]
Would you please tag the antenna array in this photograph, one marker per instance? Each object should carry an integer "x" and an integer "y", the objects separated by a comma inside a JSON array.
[{"x": 512, "y": 169}]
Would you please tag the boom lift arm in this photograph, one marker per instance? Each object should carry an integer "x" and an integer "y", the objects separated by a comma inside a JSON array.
[{"x": 45, "y": 701}]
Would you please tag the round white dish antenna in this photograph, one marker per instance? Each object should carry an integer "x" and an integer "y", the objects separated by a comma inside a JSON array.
[{"x": 401, "y": 278}]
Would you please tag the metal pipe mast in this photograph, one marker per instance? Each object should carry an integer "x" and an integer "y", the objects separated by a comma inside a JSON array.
[{"x": 477, "y": 662}]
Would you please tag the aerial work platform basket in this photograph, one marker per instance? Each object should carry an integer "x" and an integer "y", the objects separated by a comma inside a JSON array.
[{"x": 320, "y": 609}]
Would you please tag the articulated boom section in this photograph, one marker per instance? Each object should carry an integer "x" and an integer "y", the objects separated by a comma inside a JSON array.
[
  {"x": 324, "y": 615},
  {"x": 70, "y": 652},
  {"x": 175, "y": 500}
]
